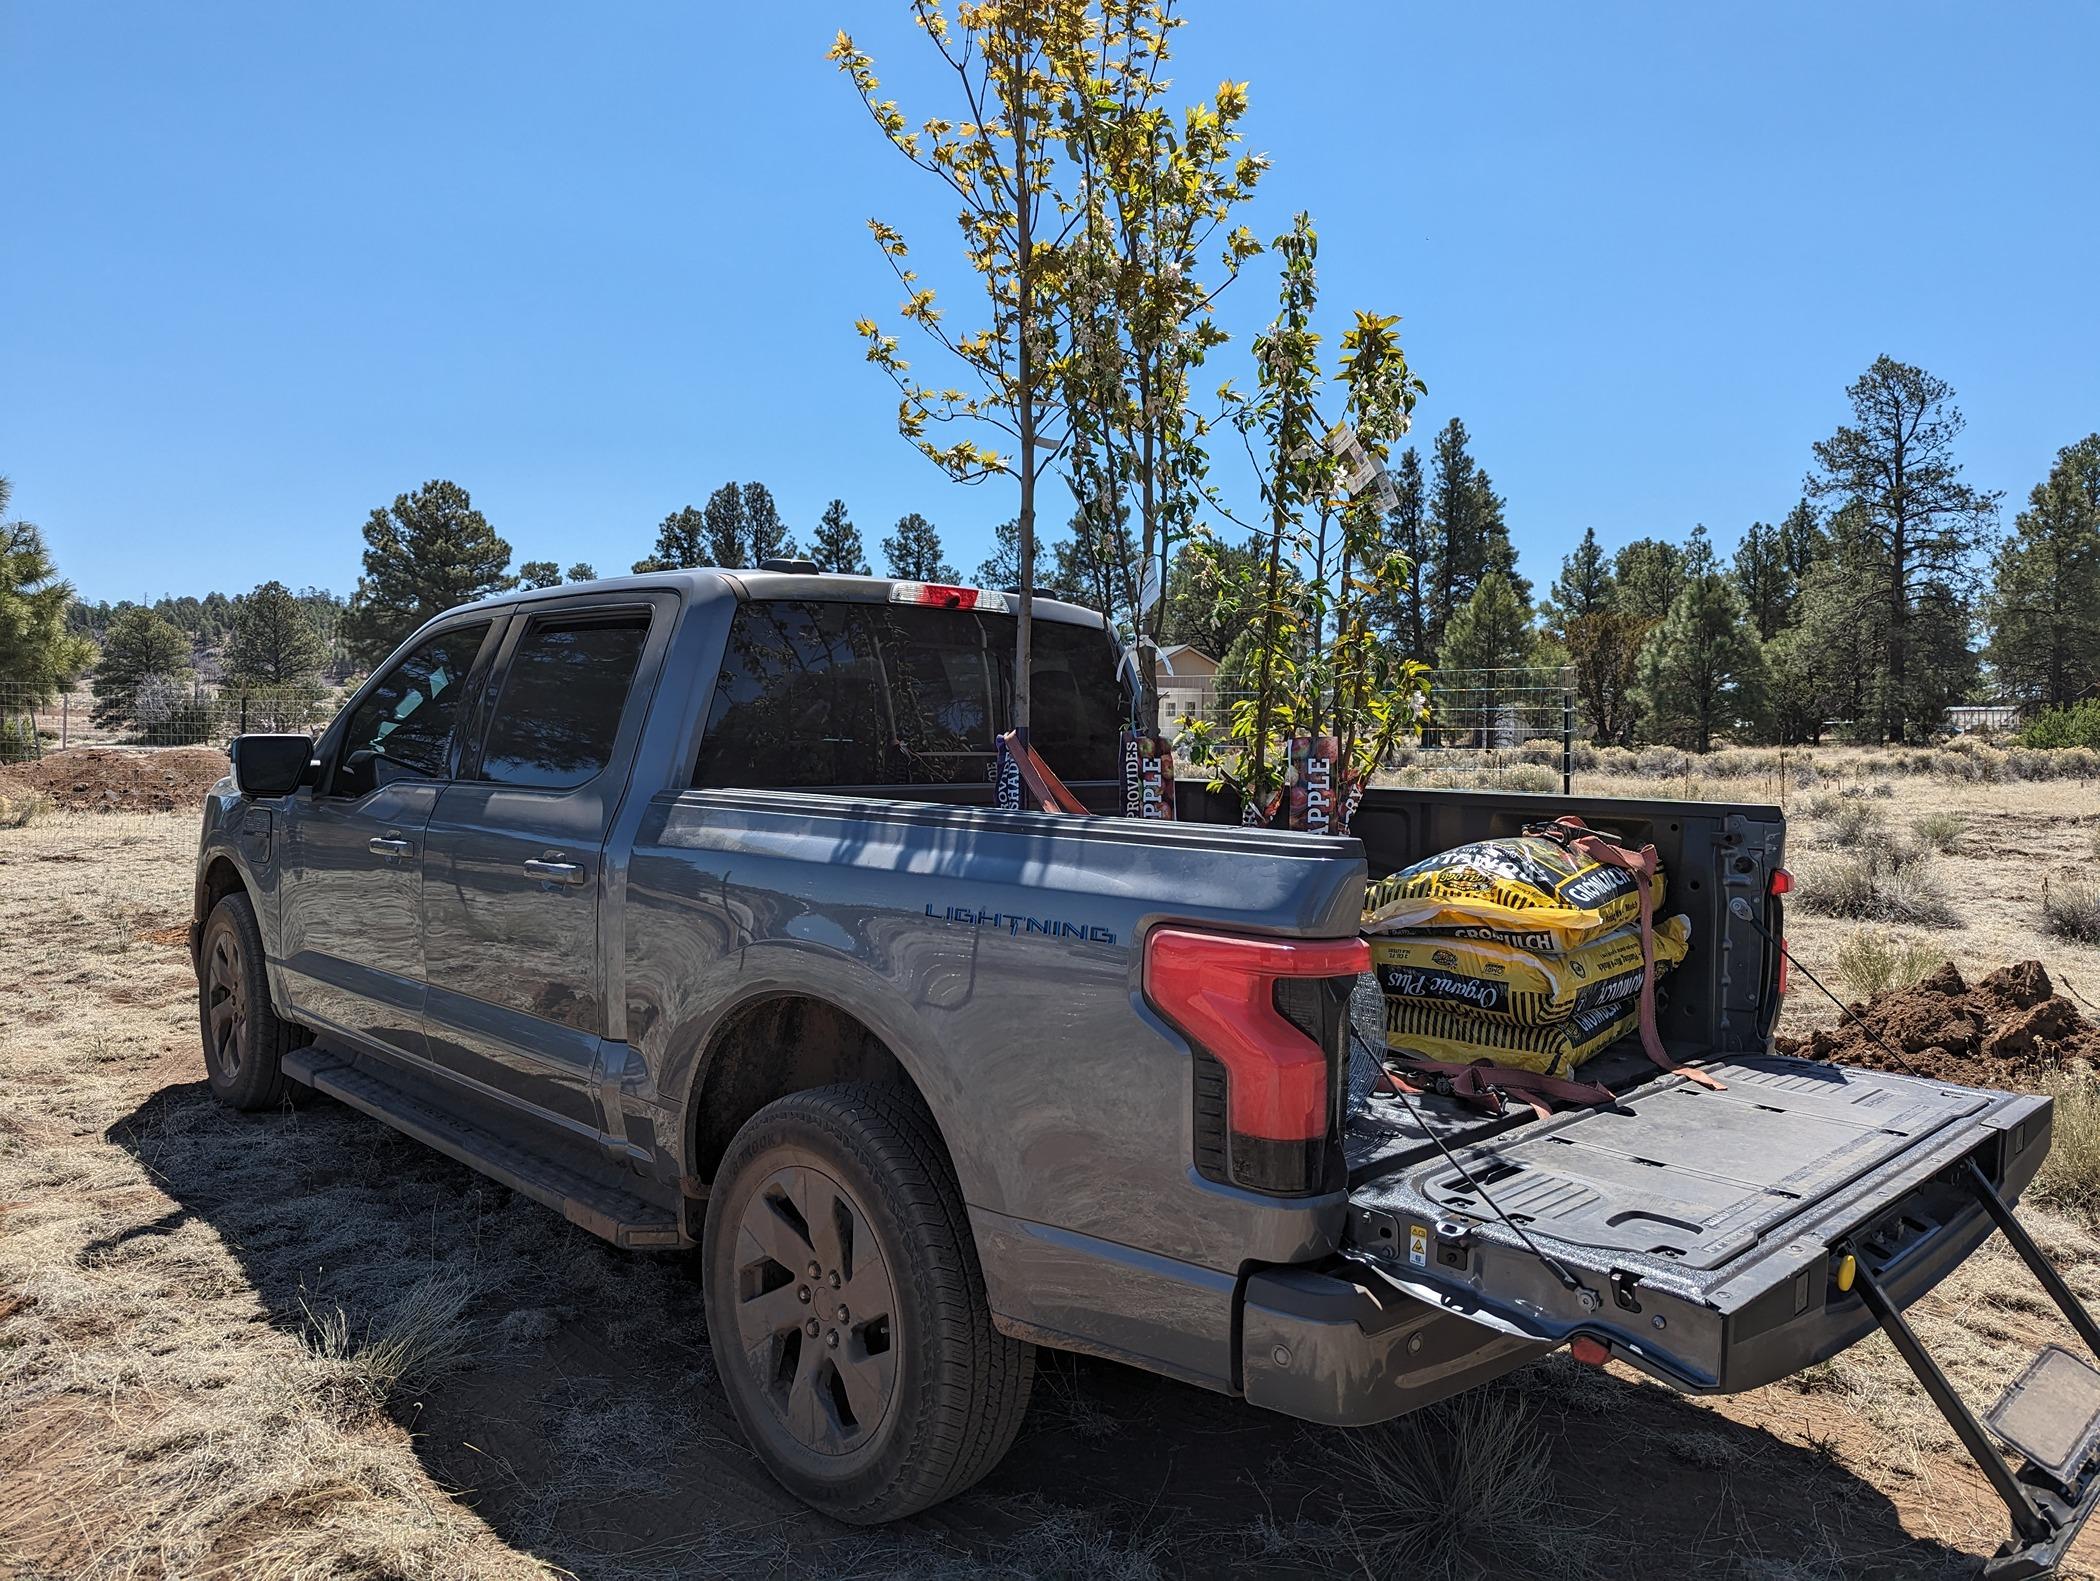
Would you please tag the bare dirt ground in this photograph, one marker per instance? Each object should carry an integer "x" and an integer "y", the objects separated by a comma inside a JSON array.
[{"x": 299, "y": 1345}]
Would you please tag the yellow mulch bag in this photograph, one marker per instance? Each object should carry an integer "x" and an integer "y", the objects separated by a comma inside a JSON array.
[
  {"x": 1523, "y": 890},
  {"x": 1500, "y": 982},
  {"x": 1556, "y": 1050}
]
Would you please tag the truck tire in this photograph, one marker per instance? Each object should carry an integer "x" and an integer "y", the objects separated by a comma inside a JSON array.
[
  {"x": 835, "y": 1198},
  {"x": 244, "y": 1039}
]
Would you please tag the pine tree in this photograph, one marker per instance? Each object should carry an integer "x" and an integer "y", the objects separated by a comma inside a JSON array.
[
  {"x": 1801, "y": 541},
  {"x": 1409, "y": 617},
  {"x": 722, "y": 529},
  {"x": 913, "y": 552},
  {"x": 1490, "y": 632},
  {"x": 581, "y": 571},
  {"x": 1650, "y": 574},
  {"x": 681, "y": 542},
  {"x": 765, "y": 535},
  {"x": 1762, "y": 578},
  {"x": 1003, "y": 568},
  {"x": 2045, "y": 591},
  {"x": 1497, "y": 553},
  {"x": 38, "y": 651},
  {"x": 1916, "y": 523},
  {"x": 141, "y": 649},
  {"x": 539, "y": 573},
  {"x": 274, "y": 647},
  {"x": 426, "y": 553},
  {"x": 1195, "y": 613},
  {"x": 1702, "y": 670},
  {"x": 836, "y": 545},
  {"x": 1467, "y": 535},
  {"x": 1602, "y": 642}
]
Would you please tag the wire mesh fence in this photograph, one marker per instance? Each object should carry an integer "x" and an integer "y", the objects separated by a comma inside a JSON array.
[
  {"x": 1508, "y": 728},
  {"x": 158, "y": 712}
]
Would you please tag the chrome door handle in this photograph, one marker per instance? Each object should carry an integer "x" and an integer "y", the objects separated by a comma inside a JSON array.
[
  {"x": 554, "y": 872},
  {"x": 390, "y": 845}
]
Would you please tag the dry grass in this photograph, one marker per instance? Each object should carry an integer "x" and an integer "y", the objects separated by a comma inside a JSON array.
[
  {"x": 1875, "y": 883},
  {"x": 20, "y": 809},
  {"x": 1461, "y": 1489},
  {"x": 297, "y": 1345},
  {"x": 1872, "y": 961},
  {"x": 2070, "y": 1177},
  {"x": 1940, "y": 830},
  {"x": 2071, "y": 910}
]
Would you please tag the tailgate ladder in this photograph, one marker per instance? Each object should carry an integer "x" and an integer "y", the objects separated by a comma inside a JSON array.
[{"x": 2050, "y": 1414}]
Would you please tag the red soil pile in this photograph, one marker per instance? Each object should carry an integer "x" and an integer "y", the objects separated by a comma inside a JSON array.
[
  {"x": 2006, "y": 1031},
  {"x": 121, "y": 779}
]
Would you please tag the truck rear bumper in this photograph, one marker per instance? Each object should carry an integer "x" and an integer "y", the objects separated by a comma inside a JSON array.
[{"x": 1341, "y": 1346}]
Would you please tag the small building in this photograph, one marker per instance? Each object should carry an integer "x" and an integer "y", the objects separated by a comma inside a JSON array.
[
  {"x": 1188, "y": 685},
  {"x": 1965, "y": 719}
]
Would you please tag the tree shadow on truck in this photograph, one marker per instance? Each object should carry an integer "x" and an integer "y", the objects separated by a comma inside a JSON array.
[{"x": 565, "y": 1391}]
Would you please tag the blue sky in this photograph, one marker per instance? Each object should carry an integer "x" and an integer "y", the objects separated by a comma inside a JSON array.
[{"x": 266, "y": 266}]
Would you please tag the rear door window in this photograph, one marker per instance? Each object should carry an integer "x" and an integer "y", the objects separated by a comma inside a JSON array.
[
  {"x": 817, "y": 694},
  {"x": 564, "y": 692},
  {"x": 798, "y": 701}
]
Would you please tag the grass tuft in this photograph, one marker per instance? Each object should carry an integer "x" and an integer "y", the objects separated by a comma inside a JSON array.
[
  {"x": 1871, "y": 961},
  {"x": 423, "y": 1338},
  {"x": 2071, "y": 910},
  {"x": 1878, "y": 883},
  {"x": 23, "y": 808},
  {"x": 2070, "y": 1177},
  {"x": 1940, "y": 830},
  {"x": 1480, "y": 1451}
]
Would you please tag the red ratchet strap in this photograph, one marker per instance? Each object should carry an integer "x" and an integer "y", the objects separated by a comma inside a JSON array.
[
  {"x": 1583, "y": 841},
  {"x": 1484, "y": 1085},
  {"x": 1044, "y": 788}
]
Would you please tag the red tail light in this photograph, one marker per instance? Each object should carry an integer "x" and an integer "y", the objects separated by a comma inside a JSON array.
[
  {"x": 1279, "y": 1062},
  {"x": 1782, "y": 881},
  {"x": 941, "y": 596}
]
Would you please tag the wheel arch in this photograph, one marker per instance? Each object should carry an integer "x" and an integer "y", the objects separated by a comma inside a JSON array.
[{"x": 775, "y": 1040}]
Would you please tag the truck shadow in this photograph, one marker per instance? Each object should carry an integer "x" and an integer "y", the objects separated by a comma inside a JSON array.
[{"x": 565, "y": 1392}]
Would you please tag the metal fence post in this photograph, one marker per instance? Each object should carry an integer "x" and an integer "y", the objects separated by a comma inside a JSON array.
[
  {"x": 244, "y": 713},
  {"x": 1567, "y": 741}
]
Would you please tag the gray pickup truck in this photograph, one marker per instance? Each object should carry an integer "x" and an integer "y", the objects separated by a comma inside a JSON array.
[{"x": 678, "y": 903}]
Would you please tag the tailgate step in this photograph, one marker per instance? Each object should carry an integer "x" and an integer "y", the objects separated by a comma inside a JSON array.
[
  {"x": 2051, "y": 1414},
  {"x": 590, "y": 1203}
]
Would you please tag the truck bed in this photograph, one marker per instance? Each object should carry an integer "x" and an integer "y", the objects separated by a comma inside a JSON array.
[{"x": 1694, "y": 1232}]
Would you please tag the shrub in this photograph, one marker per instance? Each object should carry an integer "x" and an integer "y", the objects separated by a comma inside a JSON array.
[
  {"x": 1872, "y": 962},
  {"x": 1881, "y": 790},
  {"x": 2071, "y": 910},
  {"x": 2075, "y": 726},
  {"x": 1879, "y": 883},
  {"x": 1527, "y": 777},
  {"x": 18, "y": 743},
  {"x": 1940, "y": 830},
  {"x": 2070, "y": 1177},
  {"x": 1662, "y": 760},
  {"x": 1855, "y": 823},
  {"x": 22, "y": 809}
]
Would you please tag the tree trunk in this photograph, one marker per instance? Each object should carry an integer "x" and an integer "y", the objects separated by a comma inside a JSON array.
[{"x": 1024, "y": 406}]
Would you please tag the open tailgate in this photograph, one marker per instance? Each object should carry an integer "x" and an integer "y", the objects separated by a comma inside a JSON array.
[{"x": 1701, "y": 1231}]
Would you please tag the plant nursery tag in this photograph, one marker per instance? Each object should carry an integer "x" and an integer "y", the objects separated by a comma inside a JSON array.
[{"x": 1148, "y": 777}]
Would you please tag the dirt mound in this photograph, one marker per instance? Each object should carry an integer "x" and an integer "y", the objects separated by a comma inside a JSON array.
[
  {"x": 121, "y": 779},
  {"x": 2003, "y": 1032}
]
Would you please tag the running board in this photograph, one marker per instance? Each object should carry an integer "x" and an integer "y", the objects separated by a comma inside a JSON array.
[
  {"x": 2050, "y": 1415},
  {"x": 605, "y": 1210}
]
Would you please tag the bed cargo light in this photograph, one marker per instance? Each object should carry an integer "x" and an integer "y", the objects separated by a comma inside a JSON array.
[
  {"x": 940, "y": 595},
  {"x": 1220, "y": 992}
]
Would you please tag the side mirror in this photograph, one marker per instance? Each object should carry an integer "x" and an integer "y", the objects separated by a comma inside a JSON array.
[{"x": 270, "y": 765}]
